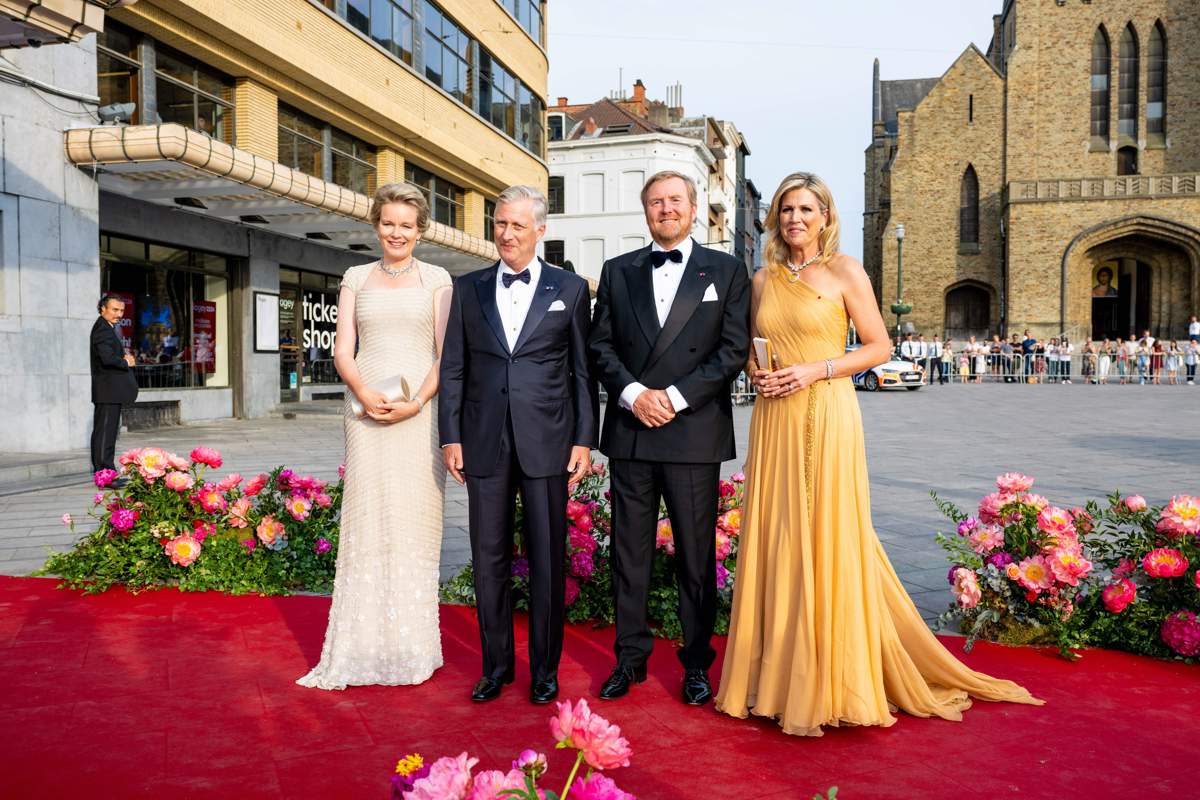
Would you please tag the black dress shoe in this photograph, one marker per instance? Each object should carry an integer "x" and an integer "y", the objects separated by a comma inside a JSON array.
[
  {"x": 489, "y": 688},
  {"x": 542, "y": 692},
  {"x": 623, "y": 676},
  {"x": 696, "y": 689}
]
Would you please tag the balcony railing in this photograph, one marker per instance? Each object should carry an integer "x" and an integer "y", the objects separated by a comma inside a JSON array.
[{"x": 1112, "y": 188}]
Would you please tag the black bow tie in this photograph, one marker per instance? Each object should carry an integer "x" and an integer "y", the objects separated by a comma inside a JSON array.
[
  {"x": 660, "y": 257},
  {"x": 509, "y": 277}
]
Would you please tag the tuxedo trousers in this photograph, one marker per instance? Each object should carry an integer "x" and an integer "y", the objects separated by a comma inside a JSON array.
[
  {"x": 490, "y": 506},
  {"x": 690, "y": 492},
  {"x": 106, "y": 421}
]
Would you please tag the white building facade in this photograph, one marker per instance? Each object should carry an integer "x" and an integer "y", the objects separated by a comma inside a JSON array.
[{"x": 596, "y": 184}]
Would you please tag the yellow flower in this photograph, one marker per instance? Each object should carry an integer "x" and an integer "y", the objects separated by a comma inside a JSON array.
[{"x": 409, "y": 764}]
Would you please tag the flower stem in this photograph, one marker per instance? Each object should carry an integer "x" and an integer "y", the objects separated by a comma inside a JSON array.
[{"x": 567, "y": 786}]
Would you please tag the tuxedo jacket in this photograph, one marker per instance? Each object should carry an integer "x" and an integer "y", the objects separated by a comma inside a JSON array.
[
  {"x": 543, "y": 383},
  {"x": 112, "y": 379},
  {"x": 700, "y": 350}
]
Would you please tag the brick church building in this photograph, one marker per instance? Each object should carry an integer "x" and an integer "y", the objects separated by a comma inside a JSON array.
[{"x": 1051, "y": 183}]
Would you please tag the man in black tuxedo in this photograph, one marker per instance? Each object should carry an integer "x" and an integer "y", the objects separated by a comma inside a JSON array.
[
  {"x": 113, "y": 381},
  {"x": 517, "y": 410},
  {"x": 670, "y": 332}
]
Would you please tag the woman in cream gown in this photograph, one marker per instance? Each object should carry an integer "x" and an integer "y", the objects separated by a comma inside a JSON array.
[
  {"x": 822, "y": 631},
  {"x": 383, "y": 621}
]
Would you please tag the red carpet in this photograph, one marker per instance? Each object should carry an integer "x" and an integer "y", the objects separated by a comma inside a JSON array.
[{"x": 192, "y": 695}]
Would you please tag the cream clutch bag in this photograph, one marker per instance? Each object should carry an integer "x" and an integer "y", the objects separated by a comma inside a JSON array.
[{"x": 393, "y": 389}]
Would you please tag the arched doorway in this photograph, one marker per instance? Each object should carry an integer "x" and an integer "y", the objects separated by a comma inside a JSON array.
[{"x": 968, "y": 311}]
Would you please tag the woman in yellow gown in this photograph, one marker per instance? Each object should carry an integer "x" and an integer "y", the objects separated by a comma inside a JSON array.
[{"x": 822, "y": 631}]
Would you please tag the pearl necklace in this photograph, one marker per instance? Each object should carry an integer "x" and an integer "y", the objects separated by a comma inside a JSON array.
[
  {"x": 795, "y": 270},
  {"x": 396, "y": 273}
]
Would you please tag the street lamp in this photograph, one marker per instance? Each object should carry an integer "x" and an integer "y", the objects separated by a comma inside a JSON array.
[{"x": 900, "y": 308}]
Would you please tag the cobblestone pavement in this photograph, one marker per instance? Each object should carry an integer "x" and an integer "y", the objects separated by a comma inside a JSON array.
[{"x": 1079, "y": 441}]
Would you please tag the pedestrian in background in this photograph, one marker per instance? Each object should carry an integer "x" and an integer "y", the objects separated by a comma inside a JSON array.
[
  {"x": 936, "y": 348},
  {"x": 1173, "y": 361},
  {"x": 1065, "y": 351},
  {"x": 1105, "y": 362},
  {"x": 113, "y": 381},
  {"x": 1190, "y": 356}
]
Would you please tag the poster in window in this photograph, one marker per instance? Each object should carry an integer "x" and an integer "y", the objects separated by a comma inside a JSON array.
[
  {"x": 125, "y": 323},
  {"x": 266, "y": 322},
  {"x": 204, "y": 336},
  {"x": 319, "y": 311}
]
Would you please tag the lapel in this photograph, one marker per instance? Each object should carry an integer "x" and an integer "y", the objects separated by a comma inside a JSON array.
[
  {"x": 639, "y": 284},
  {"x": 544, "y": 294},
  {"x": 691, "y": 292},
  {"x": 485, "y": 290}
]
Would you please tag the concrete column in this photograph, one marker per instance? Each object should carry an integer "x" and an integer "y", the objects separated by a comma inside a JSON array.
[
  {"x": 256, "y": 118},
  {"x": 259, "y": 379}
]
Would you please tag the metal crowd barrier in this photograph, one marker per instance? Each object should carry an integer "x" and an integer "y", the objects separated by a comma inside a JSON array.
[{"x": 1097, "y": 368}]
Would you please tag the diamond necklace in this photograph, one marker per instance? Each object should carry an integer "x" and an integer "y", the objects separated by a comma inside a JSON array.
[
  {"x": 396, "y": 273},
  {"x": 796, "y": 270}
]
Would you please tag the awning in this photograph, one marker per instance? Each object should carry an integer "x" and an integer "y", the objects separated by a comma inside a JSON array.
[
  {"x": 175, "y": 166},
  {"x": 36, "y": 22}
]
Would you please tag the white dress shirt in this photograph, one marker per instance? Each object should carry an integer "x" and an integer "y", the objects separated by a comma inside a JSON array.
[
  {"x": 1194, "y": 328},
  {"x": 666, "y": 285},
  {"x": 512, "y": 302}
]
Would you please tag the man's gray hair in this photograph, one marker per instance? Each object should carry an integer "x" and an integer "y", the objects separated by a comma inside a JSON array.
[{"x": 515, "y": 194}]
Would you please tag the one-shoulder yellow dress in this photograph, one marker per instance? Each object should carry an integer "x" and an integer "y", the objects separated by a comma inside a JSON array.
[{"x": 822, "y": 631}]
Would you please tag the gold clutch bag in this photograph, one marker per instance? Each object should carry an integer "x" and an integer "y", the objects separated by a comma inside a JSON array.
[{"x": 393, "y": 389}]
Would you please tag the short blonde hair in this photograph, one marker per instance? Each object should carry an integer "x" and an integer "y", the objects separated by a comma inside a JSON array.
[
  {"x": 400, "y": 193},
  {"x": 666, "y": 175},
  {"x": 776, "y": 250}
]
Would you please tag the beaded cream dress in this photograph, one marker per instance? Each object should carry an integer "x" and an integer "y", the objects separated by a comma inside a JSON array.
[{"x": 383, "y": 621}]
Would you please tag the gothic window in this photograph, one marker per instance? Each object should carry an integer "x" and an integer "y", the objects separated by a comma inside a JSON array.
[
  {"x": 1127, "y": 86},
  {"x": 968, "y": 208},
  {"x": 1101, "y": 69},
  {"x": 1156, "y": 81}
]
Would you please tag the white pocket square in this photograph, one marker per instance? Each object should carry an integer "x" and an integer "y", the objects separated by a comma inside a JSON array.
[
  {"x": 557, "y": 305},
  {"x": 710, "y": 294}
]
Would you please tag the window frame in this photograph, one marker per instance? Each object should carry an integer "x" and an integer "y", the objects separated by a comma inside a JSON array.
[
  {"x": 1101, "y": 98},
  {"x": 968, "y": 208},
  {"x": 439, "y": 193},
  {"x": 1128, "y": 84},
  {"x": 226, "y": 126},
  {"x": 329, "y": 152},
  {"x": 1156, "y": 81}
]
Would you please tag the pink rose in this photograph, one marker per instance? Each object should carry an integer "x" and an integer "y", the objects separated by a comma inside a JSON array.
[{"x": 1118, "y": 595}]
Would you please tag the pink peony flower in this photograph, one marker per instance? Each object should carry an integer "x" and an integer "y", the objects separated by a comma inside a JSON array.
[
  {"x": 1181, "y": 516},
  {"x": 239, "y": 513},
  {"x": 152, "y": 463},
  {"x": 229, "y": 481},
  {"x": 582, "y": 541},
  {"x": 270, "y": 530},
  {"x": 1118, "y": 595},
  {"x": 724, "y": 545},
  {"x": 966, "y": 588},
  {"x": 576, "y": 510},
  {"x": 488, "y": 785},
  {"x": 98, "y": 498},
  {"x": 1196, "y": 579},
  {"x": 207, "y": 455},
  {"x": 322, "y": 545},
  {"x": 664, "y": 539},
  {"x": 1135, "y": 502},
  {"x": 1035, "y": 500},
  {"x": 731, "y": 521},
  {"x": 597, "y": 787},
  {"x": 967, "y": 525},
  {"x": 738, "y": 477},
  {"x": 582, "y": 565},
  {"x": 178, "y": 462},
  {"x": 722, "y": 575},
  {"x": 990, "y": 505},
  {"x": 602, "y": 745},
  {"x": 104, "y": 477},
  {"x": 1034, "y": 574},
  {"x": 1124, "y": 568},
  {"x": 1181, "y": 632},
  {"x": 1164, "y": 562},
  {"x": 531, "y": 763},
  {"x": 183, "y": 550},
  {"x": 1082, "y": 519},
  {"x": 255, "y": 485},
  {"x": 129, "y": 457},
  {"x": 249, "y": 544},
  {"x": 1013, "y": 483},
  {"x": 727, "y": 489},
  {"x": 211, "y": 499},
  {"x": 179, "y": 481},
  {"x": 1068, "y": 565},
  {"x": 341, "y": 470},
  {"x": 1056, "y": 521},
  {"x": 448, "y": 779},
  {"x": 986, "y": 538},
  {"x": 584, "y": 523},
  {"x": 201, "y": 530},
  {"x": 66, "y": 520},
  {"x": 298, "y": 506},
  {"x": 122, "y": 519},
  {"x": 570, "y": 591},
  {"x": 323, "y": 500}
]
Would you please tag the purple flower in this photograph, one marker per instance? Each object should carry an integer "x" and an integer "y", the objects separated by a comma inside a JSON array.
[
  {"x": 999, "y": 560},
  {"x": 323, "y": 545},
  {"x": 967, "y": 525},
  {"x": 122, "y": 519},
  {"x": 950, "y": 575},
  {"x": 520, "y": 568},
  {"x": 722, "y": 575},
  {"x": 284, "y": 479},
  {"x": 581, "y": 565},
  {"x": 104, "y": 477}
]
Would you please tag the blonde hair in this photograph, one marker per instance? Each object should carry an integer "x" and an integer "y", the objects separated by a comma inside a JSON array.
[
  {"x": 666, "y": 175},
  {"x": 400, "y": 193},
  {"x": 777, "y": 250}
]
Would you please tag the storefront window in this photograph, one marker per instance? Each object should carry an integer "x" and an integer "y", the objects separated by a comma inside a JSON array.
[
  {"x": 307, "y": 329},
  {"x": 176, "y": 311}
]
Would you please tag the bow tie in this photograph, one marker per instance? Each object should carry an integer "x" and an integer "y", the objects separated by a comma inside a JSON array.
[
  {"x": 660, "y": 257},
  {"x": 509, "y": 277}
]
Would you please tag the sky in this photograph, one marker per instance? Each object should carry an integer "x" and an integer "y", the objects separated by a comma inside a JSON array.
[{"x": 793, "y": 75}]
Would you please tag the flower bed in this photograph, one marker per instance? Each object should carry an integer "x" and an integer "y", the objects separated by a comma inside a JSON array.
[
  {"x": 171, "y": 525},
  {"x": 589, "y": 594},
  {"x": 1120, "y": 575}
]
